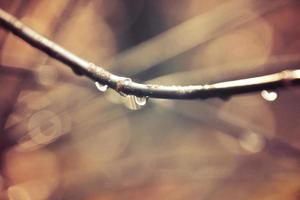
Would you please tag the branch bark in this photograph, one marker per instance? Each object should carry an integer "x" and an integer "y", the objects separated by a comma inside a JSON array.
[{"x": 126, "y": 86}]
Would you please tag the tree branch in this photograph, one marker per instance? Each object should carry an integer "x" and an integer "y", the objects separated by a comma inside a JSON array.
[{"x": 125, "y": 86}]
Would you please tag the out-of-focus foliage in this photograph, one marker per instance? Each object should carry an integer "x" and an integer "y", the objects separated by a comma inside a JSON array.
[{"x": 61, "y": 138}]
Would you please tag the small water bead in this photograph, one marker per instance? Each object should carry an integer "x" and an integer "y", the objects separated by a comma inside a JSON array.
[
  {"x": 141, "y": 101},
  {"x": 122, "y": 82},
  {"x": 100, "y": 87},
  {"x": 126, "y": 81},
  {"x": 131, "y": 103},
  {"x": 135, "y": 103},
  {"x": 269, "y": 95}
]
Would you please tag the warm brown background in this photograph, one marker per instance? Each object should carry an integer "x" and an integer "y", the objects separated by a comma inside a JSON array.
[{"x": 63, "y": 139}]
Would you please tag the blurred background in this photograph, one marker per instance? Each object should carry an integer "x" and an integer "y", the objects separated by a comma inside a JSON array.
[{"x": 64, "y": 139}]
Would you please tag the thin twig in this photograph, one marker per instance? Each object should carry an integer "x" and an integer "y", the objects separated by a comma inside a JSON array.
[{"x": 124, "y": 85}]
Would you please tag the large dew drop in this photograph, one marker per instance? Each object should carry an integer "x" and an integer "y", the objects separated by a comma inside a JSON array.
[{"x": 101, "y": 87}]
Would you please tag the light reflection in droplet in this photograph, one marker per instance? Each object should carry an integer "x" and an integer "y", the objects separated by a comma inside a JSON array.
[
  {"x": 141, "y": 101},
  {"x": 135, "y": 103},
  {"x": 269, "y": 95},
  {"x": 131, "y": 104},
  {"x": 101, "y": 87}
]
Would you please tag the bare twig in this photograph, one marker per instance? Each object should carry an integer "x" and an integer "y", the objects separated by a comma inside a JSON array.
[{"x": 125, "y": 86}]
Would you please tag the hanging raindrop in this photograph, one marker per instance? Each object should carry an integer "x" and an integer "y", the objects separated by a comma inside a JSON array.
[
  {"x": 101, "y": 87},
  {"x": 141, "y": 101},
  {"x": 269, "y": 95},
  {"x": 135, "y": 103},
  {"x": 131, "y": 103}
]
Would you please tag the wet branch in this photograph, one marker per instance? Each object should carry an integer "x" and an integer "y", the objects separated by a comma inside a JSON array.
[{"x": 125, "y": 85}]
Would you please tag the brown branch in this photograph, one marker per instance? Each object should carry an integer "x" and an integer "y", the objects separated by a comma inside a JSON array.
[{"x": 124, "y": 85}]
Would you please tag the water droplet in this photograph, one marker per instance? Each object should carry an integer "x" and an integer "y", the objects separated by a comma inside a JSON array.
[
  {"x": 101, "y": 87},
  {"x": 141, "y": 101},
  {"x": 130, "y": 103},
  {"x": 126, "y": 81},
  {"x": 123, "y": 81},
  {"x": 269, "y": 95},
  {"x": 135, "y": 103}
]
